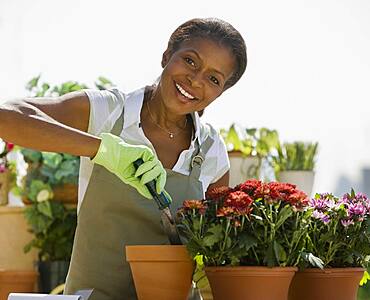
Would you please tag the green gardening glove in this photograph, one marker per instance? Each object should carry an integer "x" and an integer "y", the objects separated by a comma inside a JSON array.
[{"x": 117, "y": 156}]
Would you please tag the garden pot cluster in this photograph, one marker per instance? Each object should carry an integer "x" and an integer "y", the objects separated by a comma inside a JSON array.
[{"x": 250, "y": 241}]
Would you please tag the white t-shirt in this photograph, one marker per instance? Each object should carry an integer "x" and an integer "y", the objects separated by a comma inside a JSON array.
[{"x": 106, "y": 108}]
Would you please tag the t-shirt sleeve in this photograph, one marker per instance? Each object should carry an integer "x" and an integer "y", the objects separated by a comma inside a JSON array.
[
  {"x": 105, "y": 108},
  {"x": 223, "y": 163}
]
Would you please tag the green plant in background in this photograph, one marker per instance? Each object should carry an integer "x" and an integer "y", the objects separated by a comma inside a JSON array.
[
  {"x": 250, "y": 141},
  {"x": 52, "y": 223},
  {"x": 254, "y": 143},
  {"x": 297, "y": 156}
]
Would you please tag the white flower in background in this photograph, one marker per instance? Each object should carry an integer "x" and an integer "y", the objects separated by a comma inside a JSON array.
[
  {"x": 2, "y": 146},
  {"x": 21, "y": 165},
  {"x": 43, "y": 195}
]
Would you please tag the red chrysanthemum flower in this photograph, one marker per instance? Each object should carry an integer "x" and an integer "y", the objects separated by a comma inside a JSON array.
[
  {"x": 298, "y": 199},
  {"x": 218, "y": 193},
  {"x": 225, "y": 212},
  {"x": 249, "y": 186},
  {"x": 240, "y": 202},
  {"x": 193, "y": 204}
]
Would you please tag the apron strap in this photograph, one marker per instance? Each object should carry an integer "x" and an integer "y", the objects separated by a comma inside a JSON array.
[{"x": 199, "y": 156}]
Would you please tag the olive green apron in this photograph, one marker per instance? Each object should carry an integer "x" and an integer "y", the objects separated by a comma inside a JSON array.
[{"x": 113, "y": 215}]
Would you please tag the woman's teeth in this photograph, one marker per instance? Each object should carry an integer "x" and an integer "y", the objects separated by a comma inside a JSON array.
[{"x": 184, "y": 93}]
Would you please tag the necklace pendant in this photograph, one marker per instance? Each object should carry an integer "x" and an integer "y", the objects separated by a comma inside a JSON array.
[{"x": 171, "y": 135}]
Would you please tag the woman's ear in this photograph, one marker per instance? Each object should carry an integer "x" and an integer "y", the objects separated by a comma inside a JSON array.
[{"x": 166, "y": 57}]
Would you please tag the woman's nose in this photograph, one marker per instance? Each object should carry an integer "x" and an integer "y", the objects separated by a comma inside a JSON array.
[{"x": 195, "y": 79}]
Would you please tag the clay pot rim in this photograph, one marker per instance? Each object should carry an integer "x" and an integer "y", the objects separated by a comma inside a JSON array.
[
  {"x": 250, "y": 267},
  {"x": 157, "y": 253},
  {"x": 331, "y": 270},
  {"x": 19, "y": 275},
  {"x": 253, "y": 270}
]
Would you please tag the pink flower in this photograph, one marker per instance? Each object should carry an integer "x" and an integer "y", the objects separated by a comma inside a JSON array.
[{"x": 2, "y": 168}]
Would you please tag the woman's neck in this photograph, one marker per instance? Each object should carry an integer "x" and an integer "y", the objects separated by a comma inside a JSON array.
[{"x": 160, "y": 114}]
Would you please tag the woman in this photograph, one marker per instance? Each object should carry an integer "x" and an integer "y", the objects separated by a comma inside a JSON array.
[{"x": 110, "y": 130}]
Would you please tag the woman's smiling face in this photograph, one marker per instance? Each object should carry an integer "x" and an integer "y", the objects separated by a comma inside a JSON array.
[{"x": 195, "y": 75}]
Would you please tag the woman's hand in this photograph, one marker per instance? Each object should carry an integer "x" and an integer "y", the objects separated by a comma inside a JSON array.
[{"x": 117, "y": 157}]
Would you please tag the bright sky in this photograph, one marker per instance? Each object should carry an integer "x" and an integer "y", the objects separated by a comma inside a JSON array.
[{"x": 308, "y": 73}]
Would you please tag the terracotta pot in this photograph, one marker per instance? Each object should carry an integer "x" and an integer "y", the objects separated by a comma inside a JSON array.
[
  {"x": 66, "y": 193},
  {"x": 250, "y": 283},
  {"x": 160, "y": 272},
  {"x": 335, "y": 283},
  {"x": 4, "y": 187},
  {"x": 17, "y": 282},
  {"x": 242, "y": 167}
]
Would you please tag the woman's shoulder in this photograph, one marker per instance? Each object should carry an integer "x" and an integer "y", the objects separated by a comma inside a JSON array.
[{"x": 105, "y": 107}]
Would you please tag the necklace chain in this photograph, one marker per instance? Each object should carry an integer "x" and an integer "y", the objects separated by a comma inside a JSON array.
[{"x": 171, "y": 135}]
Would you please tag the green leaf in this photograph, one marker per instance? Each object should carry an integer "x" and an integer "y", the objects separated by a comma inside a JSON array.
[
  {"x": 67, "y": 169},
  {"x": 104, "y": 80},
  {"x": 27, "y": 248},
  {"x": 283, "y": 215},
  {"x": 33, "y": 83},
  {"x": 31, "y": 155},
  {"x": 270, "y": 258},
  {"x": 213, "y": 235},
  {"x": 52, "y": 159},
  {"x": 280, "y": 253},
  {"x": 234, "y": 139},
  {"x": 246, "y": 241},
  {"x": 45, "y": 208},
  {"x": 196, "y": 224},
  {"x": 45, "y": 87}
]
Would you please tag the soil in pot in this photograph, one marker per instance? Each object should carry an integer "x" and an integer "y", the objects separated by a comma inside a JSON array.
[
  {"x": 335, "y": 283},
  {"x": 250, "y": 283},
  {"x": 161, "y": 271}
]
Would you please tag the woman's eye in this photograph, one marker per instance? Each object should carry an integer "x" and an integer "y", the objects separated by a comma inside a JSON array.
[
  {"x": 190, "y": 61},
  {"x": 214, "y": 80}
]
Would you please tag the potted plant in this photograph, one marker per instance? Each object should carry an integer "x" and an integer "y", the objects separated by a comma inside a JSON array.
[
  {"x": 247, "y": 149},
  {"x": 5, "y": 171},
  {"x": 53, "y": 226},
  {"x": 295, "y": 163},
  {"x": 160, "y": 271},
  {"x": 339, "y": 234},
  {"x": 249, "y": 238}
]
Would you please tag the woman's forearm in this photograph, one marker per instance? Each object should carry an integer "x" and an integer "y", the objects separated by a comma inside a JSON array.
[{"x": 27, "y": 126}]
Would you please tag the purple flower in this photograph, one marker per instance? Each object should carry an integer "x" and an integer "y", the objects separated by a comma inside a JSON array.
[
  {"x": 346, "y": 222},
  {"x": 356, "y": 209},
  {"x": 322, "y": 216},
  {"x": 323, "y": 202}
]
